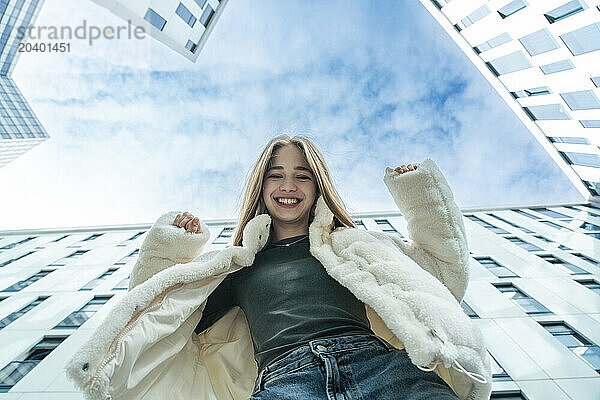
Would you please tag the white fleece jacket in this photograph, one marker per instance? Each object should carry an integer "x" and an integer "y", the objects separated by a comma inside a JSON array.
[{"x": 147, "y": 349}]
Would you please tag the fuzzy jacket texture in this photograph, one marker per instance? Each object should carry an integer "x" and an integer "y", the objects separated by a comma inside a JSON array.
[{"x": 147, "y": 348}]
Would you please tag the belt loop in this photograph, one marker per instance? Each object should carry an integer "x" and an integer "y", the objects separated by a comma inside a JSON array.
[{"x": 259, "y": 380}]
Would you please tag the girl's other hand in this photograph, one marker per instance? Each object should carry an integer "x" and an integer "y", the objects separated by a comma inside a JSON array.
[
  {"x": 188, "y": 222},
  {"x": 405, "y": 168}
]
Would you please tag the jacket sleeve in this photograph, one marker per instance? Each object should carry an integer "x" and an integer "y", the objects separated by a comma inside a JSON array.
[
  {"x": 435, "y": 225},
  {"x": 166, "y": 245}
]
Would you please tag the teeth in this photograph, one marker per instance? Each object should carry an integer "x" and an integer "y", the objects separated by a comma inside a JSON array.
[{"x": 287, "y": 201}]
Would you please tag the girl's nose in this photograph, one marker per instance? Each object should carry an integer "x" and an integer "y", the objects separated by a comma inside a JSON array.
[{"x": 287, "y": 186}]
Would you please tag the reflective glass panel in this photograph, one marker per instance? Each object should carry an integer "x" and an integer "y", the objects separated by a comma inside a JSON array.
[
  {"x": 547, "y": 112},
  {"x": 581, "y": 100},
  {"x": 557, "y": 66},
  {"x": 511, "y": 8},
  {"x": 564, "y": 11},
  {"x": 539, "y": 42},
  {"x": 512, "y": 62},
  {"x": 583, "y": 40}
]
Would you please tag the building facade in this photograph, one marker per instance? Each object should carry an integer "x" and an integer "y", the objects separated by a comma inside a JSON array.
[
  {"x": 543, "y": 58},
  {"x": 183, "y": 25},
  {"x": 534, "y": 293},
  {"x": 20, "y": 129}
]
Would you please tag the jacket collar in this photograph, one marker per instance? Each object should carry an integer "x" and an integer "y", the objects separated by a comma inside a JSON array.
[{"x": 257, "y": 230}]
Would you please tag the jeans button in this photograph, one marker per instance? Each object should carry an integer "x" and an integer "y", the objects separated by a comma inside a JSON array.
[{"x": 320, "y": 347}]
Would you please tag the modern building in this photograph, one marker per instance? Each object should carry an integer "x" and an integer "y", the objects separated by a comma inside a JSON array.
[
  {"x": 543, "y": 58},
  {"x": 20, "y": 129},
  {"x": 534, "y": 292},
  {"x": 183, "y": 25}
]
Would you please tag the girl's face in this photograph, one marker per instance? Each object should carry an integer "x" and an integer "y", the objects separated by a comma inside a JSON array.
[{"x": 289, "y": 188}]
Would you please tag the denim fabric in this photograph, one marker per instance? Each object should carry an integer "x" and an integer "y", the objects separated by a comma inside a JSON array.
[{"x": 357, "y": 367}]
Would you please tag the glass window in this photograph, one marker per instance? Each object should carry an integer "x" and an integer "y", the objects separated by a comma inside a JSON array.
[
  {"x": 26, "y": 282},
  {"x": 124, "y": 242},
  {"x": 95, "y": 282},
  {"x": 564, "y": 11},
  {"x": 596, "y": 81},
  {"x": 583, "y": 40},
  {"x": 384, "y": 225},
  {"x": 11, "y": 260},
  {"x": 526, "y": 230},
  {"x": 511, "y": 8},
  {"x": 468, "y": 310},
  {"x": 128, "y": 258},
  {"x": 17, "y": 314},
  {"x": 581, "y": 100},
  {"x": 550, "y": 213},
  {"x": 526, "y": 214},
  {"x": 539, "y": 42},
  {"x": 155, "y": 19},
  {"x": 575, "y": 342},
  {"x": 570, "y": 140},
  {"x": 207, "y": 16},
  {"x": 72, "y": 256},
  {"x": 590, "y": 123},
  {"x": 13, "y": 245},
  {"x": 591, "y": 284},
  {"x": 585, "y": 258},
  {"x": 537, "y": 91},
  {"x": 77, "y": 318},
  {"x": 512, "y": 62},
  {"x": 122, "y": 285},
  {"x": 499, "y": 270},
  {"x": 92, "y": 237},
  {"x": 473, "y": 17},
  {"x": 523, "y": 244},
  {"x": 563, "y": 265},
  {"x": 547, "y": 112},
  {"x": 494, "y": 42},
  {"x": 588, "y": 226},
  {"x": 558, "y": 66},
  {"x": 16, "y": 370},
  {"x": 583, "y": 159},
  {"x": 186, "y": 15},
  {"x": 522, "y": 300},
  {"x": 360, "y": 224},
  {"x": 224, "y": 236},
  {"x": 553, "y": 225},
  {"x": 191, "y": 46},
  {"x": 487, "y": 225},
  {"x": 498, "y": 375},
  {"x": 200, "y": 3}
]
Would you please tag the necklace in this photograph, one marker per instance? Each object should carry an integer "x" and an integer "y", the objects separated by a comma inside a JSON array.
[{"x": 291, "y": 243}]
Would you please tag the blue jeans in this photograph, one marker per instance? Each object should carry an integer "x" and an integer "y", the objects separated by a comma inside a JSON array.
[{"x": 357, "y": 367}]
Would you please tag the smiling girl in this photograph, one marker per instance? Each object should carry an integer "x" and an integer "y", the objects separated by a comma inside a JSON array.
[{"x": 304, "y": 305}]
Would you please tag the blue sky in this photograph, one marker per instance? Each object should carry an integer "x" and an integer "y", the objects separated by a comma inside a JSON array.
[{"x": 137, "y": 130}]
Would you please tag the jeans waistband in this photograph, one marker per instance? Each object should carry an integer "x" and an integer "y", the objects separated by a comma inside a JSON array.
[{"x": 306, "y": 353}]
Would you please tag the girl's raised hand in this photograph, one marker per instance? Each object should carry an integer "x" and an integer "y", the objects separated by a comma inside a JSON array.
[
  {"x": 405, "y": 168},
  {"x": 188, "y": 222}
]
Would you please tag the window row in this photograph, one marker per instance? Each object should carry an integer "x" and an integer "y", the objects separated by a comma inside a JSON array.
[
  {"x": 87, "y": 239},
  {"x": 225, "y": 235},
  {"x": 22, "y": 284},
  {"x": 159, "y": 22}
]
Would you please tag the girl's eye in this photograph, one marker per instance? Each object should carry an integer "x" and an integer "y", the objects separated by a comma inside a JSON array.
[
  {"x": 303, "y": 177},
  {"x": 274, "y": 176}
]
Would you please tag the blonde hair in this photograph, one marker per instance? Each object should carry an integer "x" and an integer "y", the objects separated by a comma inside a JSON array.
[{"x": 253, "y": 203}]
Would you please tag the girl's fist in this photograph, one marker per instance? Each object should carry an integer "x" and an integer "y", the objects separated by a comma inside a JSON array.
[
  {"x": 405, "y": 168},
  {"x": 188, "y": 222}
]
